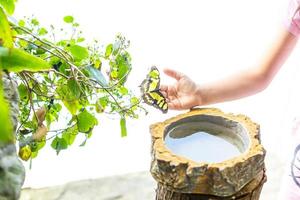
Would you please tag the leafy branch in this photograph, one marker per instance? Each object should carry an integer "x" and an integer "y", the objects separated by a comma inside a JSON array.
[{"x": 78, "y": 80}]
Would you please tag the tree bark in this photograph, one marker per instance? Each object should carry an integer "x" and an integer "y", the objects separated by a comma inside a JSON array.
[
  {"x": 12, "y": 171},
  {"x": 163, "y": 193}
]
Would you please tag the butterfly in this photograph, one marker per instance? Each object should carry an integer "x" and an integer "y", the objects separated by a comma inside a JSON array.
[{"x": 150, "y": 91}]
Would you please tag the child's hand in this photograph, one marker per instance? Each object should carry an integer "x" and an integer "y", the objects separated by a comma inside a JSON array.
[{"x": 184, "y": 94}]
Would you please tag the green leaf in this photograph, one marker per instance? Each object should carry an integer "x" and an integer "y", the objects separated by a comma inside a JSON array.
[
  {"x": 123, "y": 127},
  {"x": 57, "y": 107},
  {"x": 34, "y": 154},
  {"x": 69, "y": 19},
  {"x": 81, "y": 39},
  {"x": 101, "y": 104},
  {"x": 134, "y": 100},
  {"x": 23, "y": 92},
  {"x": 86, "y": 121},
  {"x": 75, "y": 24},
  {"x": 23, "y": 44},
  {"x": 16, "y": 60},
  {"x": 42, "y": 31},
  {"x": 97, "y": 75},
  {"x": 74, "y": 88},
  {"x": 108, "y": 51},
  {"x": 98, "y": 107},
  {"x": 21, "y": 23},
  {"x": 114, "y": 74},
  {"x": 8, "y": 5},
  {"x": 52, "y": 113},
  {"x": 71, "y": 105},
  {"x": 30, "y": 124},
  {"x": 103, "y": 101},
  {"x": 5, "y": 33},
  {"x": 70, "y": 134},
  {"x": 124, "y": 66},
  {"x": 36, "y": 146},
  {"x": 68, "y": 99},
  {"x": 59, "y": 144},
  {"x": 78, "y": 52},
  {"x": 6, "y": 131},
  {"x": 123, "y": 90},
  {"x": 134, "y": 103},
  {"x": 98, "y": 64},
  {"x": 35, "y": 22}
]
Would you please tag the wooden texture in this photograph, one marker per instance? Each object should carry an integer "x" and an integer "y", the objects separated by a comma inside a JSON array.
[
  {"x": 179, "y": 175},
  {"x": 250, "y": 192}
]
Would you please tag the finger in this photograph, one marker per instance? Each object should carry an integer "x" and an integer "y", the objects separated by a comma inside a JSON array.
[
  {"x": 163, "y": 88},
  {"x": 173, "y": 73},
  {"x": 172, "y": 98},
  {"x": 174, "y": 104},
  {"x": 164, "y": 94}
]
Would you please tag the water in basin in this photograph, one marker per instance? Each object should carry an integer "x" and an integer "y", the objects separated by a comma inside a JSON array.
[{"x": 201, "y": 146}]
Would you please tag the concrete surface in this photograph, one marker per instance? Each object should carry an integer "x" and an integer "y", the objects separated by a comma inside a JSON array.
[{"x": 135, "y": 186}]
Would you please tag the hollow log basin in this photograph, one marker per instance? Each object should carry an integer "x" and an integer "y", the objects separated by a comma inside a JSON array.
[{"x": 206, "y": 151}]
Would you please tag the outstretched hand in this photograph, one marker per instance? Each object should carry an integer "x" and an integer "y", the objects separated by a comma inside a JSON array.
[{"x": 184, "y": 94}]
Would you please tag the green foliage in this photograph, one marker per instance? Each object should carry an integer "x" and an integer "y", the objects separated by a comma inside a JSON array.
[
  {"x": 59, "y": 144},
  {"x": 5, "y": 32},
  {"x": 69, "y": 19},
  {"x": 79, "y": 53},
  {"x": 23, "y": 92},
  {"x": 8, "y": 5},
  {"x": 108, "y": 50},
  {"x": 63, "y": 79},
  {"x": 70, "y": 134},
  {"x": 123, "y": 127},
  {"x": 16, "y": 60},
  {"x": 86, "y": 121},
  {"x": 74, "y": 88},
  {"x": 35, "y": 147},
  {"x": 6, "y": 135}
]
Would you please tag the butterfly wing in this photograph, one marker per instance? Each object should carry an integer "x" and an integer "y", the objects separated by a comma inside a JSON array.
[
  {"x": 159, "y": 101},
  {"x": 153, "y": 79},
  {"x": 150, "y": 91}
]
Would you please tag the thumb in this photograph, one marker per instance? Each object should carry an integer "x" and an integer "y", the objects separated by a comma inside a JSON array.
[{"x": 173, "y": 73}]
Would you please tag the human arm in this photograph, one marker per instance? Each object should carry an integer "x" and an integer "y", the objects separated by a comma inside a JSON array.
[{"x": 185, "y": 93}]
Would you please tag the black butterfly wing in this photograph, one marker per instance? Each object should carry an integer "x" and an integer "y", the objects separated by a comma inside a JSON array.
[
  {"x": 150, "y": 91},
  {"x": 157, "y": 100}
]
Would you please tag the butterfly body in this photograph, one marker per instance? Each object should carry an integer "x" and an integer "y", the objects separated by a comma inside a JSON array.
[{"x": 151, "y": 93}]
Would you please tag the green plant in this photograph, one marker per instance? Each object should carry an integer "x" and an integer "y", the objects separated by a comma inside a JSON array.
[{"x": 61, "y": 76}]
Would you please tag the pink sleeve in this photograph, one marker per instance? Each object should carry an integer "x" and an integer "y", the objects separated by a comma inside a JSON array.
[{"x": 293, "y": 19}]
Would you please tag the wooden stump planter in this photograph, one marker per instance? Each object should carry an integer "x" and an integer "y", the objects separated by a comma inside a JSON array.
[{"x": 180, "y": 177}]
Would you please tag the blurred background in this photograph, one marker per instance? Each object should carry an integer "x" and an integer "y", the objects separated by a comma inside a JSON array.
[{"x": 207, "y": 40}]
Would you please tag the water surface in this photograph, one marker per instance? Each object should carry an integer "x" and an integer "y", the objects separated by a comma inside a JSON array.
[{"x": 202, "y": 147}]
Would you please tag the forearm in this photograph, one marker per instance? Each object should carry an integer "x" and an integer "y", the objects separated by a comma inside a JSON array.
[
  {"x": 234, "y": 87},
  {"x": 251, "y": 81}
]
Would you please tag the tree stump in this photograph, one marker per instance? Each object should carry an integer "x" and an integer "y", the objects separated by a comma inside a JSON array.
[{"x": 180, "y": 178}]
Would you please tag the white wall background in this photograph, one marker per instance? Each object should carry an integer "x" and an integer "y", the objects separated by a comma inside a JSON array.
[{"x": 205, "y": 39}]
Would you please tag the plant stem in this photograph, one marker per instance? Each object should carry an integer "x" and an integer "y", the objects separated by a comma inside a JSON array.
[
  {"x": 59, "y": 50},
  {"x": 41, "y": 47},
  {"x": 30, "y": 95}
]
